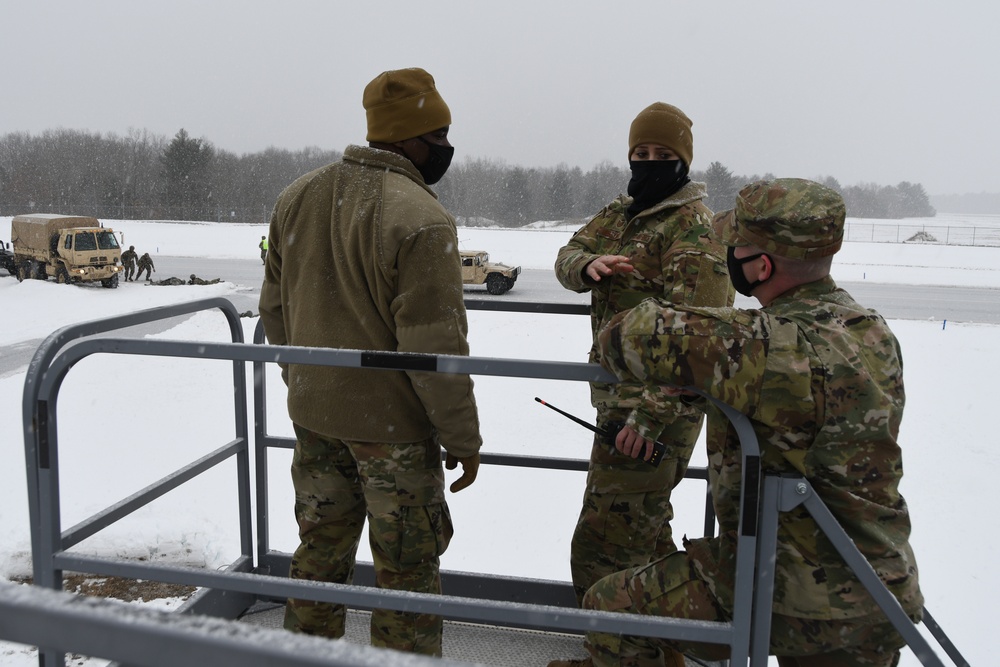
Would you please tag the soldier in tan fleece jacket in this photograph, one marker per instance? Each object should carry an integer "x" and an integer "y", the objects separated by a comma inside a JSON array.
[{"x": 361, "y": 255}]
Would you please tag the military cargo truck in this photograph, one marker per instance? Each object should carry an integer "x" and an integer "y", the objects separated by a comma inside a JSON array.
[
  {"x": 477, "y": 269},
  {"x": 69, "y": 248}
]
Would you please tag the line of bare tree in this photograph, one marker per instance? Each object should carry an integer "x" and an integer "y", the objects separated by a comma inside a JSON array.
[{"x": 143, "y": 176}]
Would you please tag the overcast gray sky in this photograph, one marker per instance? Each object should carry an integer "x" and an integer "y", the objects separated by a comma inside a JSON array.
[{"x": 864, "y": 90}]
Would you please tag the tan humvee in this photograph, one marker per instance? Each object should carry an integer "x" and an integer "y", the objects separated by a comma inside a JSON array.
[{"x": 477, "y": 269}]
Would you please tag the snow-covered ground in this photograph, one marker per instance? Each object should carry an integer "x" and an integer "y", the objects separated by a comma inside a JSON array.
[{"x": 124, "y": 422}]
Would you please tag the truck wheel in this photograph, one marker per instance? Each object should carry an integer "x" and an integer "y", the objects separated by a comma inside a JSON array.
[
  {"x": 22, "y": 273},
  {"x": 62, "y": 276},
  {"x": 496, "y": 284},
  {"x": 40, "y": 273},
  {"x": 510, "y": 283},
  {"x": 111, "y": 282}
]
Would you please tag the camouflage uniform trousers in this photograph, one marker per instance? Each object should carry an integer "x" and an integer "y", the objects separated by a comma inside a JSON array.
[
  {"x": 626, "y": 513},
  {"x": 400, "y": 489},
  {"x": 671, "y": 587}
]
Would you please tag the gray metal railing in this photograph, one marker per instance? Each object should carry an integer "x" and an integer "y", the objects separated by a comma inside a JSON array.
[
  {"x": 133, "y": 635},
  {"x": 469, "y": 597}
]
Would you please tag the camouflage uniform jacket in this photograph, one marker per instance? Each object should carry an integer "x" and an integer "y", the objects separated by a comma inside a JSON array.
[
  {"x": 676, "y": 260},
  {"x": 130, "y": 257},
  {"x": 821, "y": 380},
  {"x": 362, "y": 256}
]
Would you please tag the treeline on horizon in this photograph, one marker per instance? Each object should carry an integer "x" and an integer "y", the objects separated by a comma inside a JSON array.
[{"x": 143, "y": 176}]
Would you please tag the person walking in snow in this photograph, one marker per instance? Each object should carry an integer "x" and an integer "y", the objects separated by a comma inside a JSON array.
[
  {"x": 821, "y": 379},
  {"x": 263, "y": 249},
  {"x": 145, "y": 264},
  {"x": 374, "y": 272}
]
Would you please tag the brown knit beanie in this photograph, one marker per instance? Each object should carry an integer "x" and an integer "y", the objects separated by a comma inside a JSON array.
[
  {"x": 665, "y": 125},
  {"x": 402, "y": 104}
]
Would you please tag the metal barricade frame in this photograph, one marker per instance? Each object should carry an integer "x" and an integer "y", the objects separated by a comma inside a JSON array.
[{"x": 760, "y": 501}]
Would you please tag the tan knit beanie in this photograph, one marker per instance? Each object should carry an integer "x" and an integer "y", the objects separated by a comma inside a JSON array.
[
  {"x": 402, "y": 104},
  {"x": 665, "y": 125}
]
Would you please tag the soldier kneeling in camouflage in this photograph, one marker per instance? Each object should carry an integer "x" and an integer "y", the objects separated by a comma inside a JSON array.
[{"x": 821, "y": 379}]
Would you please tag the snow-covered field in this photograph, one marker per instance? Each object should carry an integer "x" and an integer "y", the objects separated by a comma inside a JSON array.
[{"x": 144, "y": 417}]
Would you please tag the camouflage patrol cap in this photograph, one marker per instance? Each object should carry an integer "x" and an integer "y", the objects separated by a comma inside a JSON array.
[{"x": 789, "y": 217}]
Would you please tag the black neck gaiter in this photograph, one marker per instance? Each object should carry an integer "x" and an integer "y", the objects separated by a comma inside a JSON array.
[{"x": 653, "y": 181}]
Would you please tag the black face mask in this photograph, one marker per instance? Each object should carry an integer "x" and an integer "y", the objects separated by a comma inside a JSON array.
[
  {"x": 438, "y": 161},
  {"x": 653, "y": 181},
  {"x": 736, "y": 275}
]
